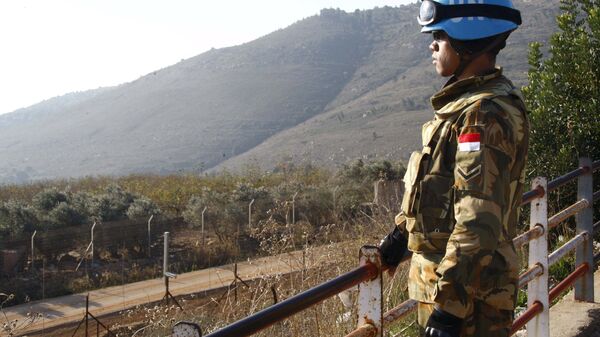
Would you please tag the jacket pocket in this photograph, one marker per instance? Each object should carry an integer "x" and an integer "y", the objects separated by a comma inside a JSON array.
[
  {"x": 410, "y": 183},
  {"x": 436, "y": 196}
]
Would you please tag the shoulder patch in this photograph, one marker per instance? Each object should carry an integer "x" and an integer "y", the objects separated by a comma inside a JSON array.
[{"x": 469, "y": 142}]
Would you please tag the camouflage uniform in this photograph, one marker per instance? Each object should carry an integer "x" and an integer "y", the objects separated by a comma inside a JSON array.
[{"x": 463, "y": 192}]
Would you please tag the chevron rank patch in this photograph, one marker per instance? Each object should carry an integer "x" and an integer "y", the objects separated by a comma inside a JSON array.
[{"x": 469, "y": 142}]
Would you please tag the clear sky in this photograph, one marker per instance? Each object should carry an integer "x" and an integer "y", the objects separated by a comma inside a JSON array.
[{"x": 52, "y": 47}]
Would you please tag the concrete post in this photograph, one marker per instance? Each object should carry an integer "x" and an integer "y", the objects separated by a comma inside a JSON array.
[
  {"x": 537, "y": 290},
  {"x": 584, "y": 287},
  {"x": 370, "y": 293}
]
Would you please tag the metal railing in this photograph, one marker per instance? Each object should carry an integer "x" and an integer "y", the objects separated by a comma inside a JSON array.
[{"x": 372, "y": 320}]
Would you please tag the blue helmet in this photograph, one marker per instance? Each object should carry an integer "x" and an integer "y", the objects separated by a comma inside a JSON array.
[{"x": 469, "y": 19}]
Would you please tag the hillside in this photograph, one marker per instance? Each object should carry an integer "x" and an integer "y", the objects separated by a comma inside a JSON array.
[
  {"x": 325, "y": 90},
  {"x": 384, "y": 122}
]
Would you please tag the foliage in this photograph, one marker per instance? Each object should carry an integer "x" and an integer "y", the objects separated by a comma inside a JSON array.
[
  {"x": 355, "y": 182},
  {"x": 563, "y": 93},
  {"x": 142, "y": 207},
  {"x": 15, "y": 217},
  {"x": 359, "y": 171}
]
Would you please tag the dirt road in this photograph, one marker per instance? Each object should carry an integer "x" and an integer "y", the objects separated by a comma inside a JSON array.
[{"x": 70, "y": 309}]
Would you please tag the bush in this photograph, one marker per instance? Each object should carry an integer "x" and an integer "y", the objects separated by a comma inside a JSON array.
[
  {"x": 142, "y": 207},
  {"x": 48, "y": 199},
  {"x": 16, "y": 218}
]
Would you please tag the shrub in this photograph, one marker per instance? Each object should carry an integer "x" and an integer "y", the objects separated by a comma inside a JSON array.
[
  {"x": 142, "y": 207},
  {"x": 16, "y": 218}
]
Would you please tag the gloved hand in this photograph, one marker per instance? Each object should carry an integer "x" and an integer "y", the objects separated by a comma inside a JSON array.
[
  {"x": 443, "y": 324},
  {"x": 393, "y": 247}
]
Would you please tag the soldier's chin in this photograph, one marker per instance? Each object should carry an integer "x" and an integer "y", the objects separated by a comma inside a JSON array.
[{"x": 443, "y": 72}]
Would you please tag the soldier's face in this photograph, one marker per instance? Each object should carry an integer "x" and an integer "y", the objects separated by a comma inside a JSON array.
[{"x": 445, "y": 58}]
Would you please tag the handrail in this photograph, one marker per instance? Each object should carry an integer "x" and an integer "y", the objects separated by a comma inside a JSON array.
[
  {"x": 526, "y": 316},
  {"x": 553, "y": 221},
  {"x": 568, "y": 212},
  {"x": 568, "y": 281},
  {"x": 566, "y": 248},
  {"x": 537, "y": 307},
  {"x": 530, "y": 274},
  {"x": 558, "y": 182},
  {"x": 292, "y": 305},
  {"x": 531, "y": 234},
  {"x": 399, "y": 311}
]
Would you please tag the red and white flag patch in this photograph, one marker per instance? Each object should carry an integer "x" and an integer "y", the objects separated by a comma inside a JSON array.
[{"x": 469, "y": 142}]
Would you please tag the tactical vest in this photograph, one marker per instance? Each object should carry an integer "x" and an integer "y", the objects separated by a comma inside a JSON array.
[{"x": 428, "y": 201}]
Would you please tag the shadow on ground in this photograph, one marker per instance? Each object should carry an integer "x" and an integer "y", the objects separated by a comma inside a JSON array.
[{"x": 592, "y": 330}]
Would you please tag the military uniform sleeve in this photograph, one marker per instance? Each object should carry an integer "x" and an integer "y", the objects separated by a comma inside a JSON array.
[{"x": 485, "y": 153}]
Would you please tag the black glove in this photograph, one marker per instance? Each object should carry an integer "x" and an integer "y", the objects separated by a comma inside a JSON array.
[
  {"x": 393, "y": 247},
  {"x": 443, "y": 324}
]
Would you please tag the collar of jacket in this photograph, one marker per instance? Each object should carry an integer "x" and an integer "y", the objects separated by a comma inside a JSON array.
[{"x": 458, "y": 94}]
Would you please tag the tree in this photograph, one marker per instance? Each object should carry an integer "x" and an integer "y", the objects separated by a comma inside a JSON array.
[
  {"x": 16, "y": 218},
  {"x": 563, "y": 94}
]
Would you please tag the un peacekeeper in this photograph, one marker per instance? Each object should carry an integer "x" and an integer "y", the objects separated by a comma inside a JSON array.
[{"x": 463, "y": 189}]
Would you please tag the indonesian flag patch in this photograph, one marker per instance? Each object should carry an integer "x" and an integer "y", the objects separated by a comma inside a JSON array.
[{"x": 469, "y": 142}]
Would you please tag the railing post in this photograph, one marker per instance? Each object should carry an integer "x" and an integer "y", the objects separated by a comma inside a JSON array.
[
  {"x": 584, "y": 287},
  {"x": 370, "y": 304},
  {"x": 537, "y": 290}
]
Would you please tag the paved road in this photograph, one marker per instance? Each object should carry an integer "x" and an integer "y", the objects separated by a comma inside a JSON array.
[{"x": 69, "y": 309}]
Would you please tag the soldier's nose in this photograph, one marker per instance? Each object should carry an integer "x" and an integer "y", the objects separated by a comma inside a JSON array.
[{"x": 433, "y": 46}]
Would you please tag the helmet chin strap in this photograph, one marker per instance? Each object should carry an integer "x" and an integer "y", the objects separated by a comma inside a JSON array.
[{"x": 466, "y": 56}]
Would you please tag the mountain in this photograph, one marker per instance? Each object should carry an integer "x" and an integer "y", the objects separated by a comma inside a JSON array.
[{"x": 325, "y": 90}]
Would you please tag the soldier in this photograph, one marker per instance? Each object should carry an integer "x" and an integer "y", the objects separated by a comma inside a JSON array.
[{"x": 463, "y": 189}]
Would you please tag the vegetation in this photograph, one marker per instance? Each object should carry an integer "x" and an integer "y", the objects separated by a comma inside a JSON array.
[
  {"x": 293, "y": 207},
  {"x": 562, "y": 96},
  {"x": 53, "y": 208},
  {"x": 563, "y": 91}
]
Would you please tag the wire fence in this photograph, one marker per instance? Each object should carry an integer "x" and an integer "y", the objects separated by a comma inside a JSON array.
[{"x": 81, "y": 258}]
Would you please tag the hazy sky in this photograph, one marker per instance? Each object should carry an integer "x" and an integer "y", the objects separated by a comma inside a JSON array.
[{"x": 50, "y": 48}]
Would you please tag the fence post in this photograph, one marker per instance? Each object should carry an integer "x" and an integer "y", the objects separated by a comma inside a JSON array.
[
  {"x": 294, "y": 208},
  {"x": 250, "y": 213},
  {"x": 370, "y": 304},
  {"x": 202, "y": 226},
  {"x": 166, "y": 266},
  {"x": 537, "y": 290},
  {"x": 150, "y": 237},
  {"x": 166, "y": 256},
  {"x": 334, "y": 200},
  {"x": 584, "y": 287},
  {"x": 32, "y": 250},
  {"x": 92, "y": 244}
]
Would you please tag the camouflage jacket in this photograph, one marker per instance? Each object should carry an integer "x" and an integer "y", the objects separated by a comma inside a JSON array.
[{"x": 463, "y": 192}]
